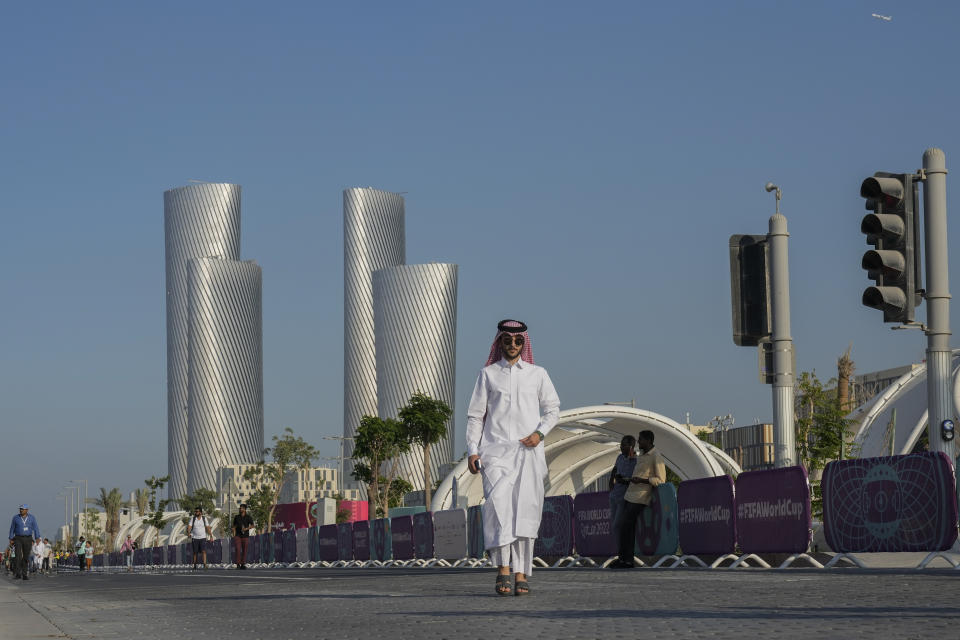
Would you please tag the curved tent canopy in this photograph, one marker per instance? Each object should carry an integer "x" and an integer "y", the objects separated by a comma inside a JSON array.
[
  {"x": 908, "y": 397},
  {"x": 585, "y": 444}
]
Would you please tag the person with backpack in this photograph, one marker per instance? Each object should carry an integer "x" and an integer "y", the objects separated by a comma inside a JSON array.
[{"x": 200, "y": 531}]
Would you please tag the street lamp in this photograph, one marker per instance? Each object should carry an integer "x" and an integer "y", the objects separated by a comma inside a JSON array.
[
  {"x": 84, "y": 502},
  {"x": 340, "y": 468},
  {"x": 74, "y": 509},
  {"x": 723, "y": 424}
]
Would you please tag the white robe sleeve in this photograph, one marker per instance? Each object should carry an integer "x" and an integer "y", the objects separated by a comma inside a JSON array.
[
  {"x": 549, "y": 405},
  {"x": 475, "y": 414}
]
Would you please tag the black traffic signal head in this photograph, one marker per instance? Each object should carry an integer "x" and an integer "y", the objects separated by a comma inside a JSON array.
[{"x": 893, "y": 263}]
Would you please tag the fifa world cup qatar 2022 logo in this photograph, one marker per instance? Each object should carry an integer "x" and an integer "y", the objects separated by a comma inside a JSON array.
[
  {"x": 882, "y": 500},
  {"x": 895, "y": 503}
]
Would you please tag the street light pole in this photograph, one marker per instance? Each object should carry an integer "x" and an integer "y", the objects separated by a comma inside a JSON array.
[{"x": 340, "y": 464}]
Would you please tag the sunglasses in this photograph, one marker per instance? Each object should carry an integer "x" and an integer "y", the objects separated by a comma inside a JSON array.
[{"x": 507, "y": 339}]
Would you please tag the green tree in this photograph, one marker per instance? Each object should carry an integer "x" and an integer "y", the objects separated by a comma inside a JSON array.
[
  {"x": 260, "y": 504},
  {"x": 92, "y": 527},
  {"x": 377, "y": 443},
  {"x": 111, "y": 502},
  {"x": 425, "y": 421},
  {"x": 206, "y": 499},
  {"x": 288, "y": 453},
  {"x": 156, "y": 508},
  {"x": 821, "y": 429}
]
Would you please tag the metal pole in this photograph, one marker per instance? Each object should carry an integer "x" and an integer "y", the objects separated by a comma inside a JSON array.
[
  {"x": 939, "y": 398},
  {"x": 784, "y": 439}
]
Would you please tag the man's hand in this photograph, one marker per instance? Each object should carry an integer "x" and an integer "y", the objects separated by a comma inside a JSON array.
[
  {"x": 531, "y": 440},
  {"x": 472, "y": 464}
]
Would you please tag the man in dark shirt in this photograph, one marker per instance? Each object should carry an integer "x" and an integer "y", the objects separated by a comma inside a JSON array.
[
  {"x": 242, "y": 524},
  {"x": 619, "y": 480}
]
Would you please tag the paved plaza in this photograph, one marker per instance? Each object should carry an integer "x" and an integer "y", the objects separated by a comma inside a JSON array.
[{"x": 452, "y": 603}]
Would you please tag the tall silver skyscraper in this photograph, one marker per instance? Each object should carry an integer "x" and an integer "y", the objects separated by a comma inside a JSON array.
[
  {"x": 225, "y": 365},
  {"x": 373, "y": 238},
  {"x": 415, "y": 314},
  {"x": 200, "y": 220}
]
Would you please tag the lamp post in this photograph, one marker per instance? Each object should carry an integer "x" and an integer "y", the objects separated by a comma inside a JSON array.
[
  {"x": 340, "y": 467},
  {"x": 74, "y": 509},
  {"x": 84, "y": 502},
  {"x": 723, "y": 424}
]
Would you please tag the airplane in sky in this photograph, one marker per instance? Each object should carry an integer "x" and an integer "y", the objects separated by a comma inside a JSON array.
[{"x": 880, "y": 17}]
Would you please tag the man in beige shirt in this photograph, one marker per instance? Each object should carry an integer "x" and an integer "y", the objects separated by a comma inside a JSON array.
[{"x": 649, "y": 472}]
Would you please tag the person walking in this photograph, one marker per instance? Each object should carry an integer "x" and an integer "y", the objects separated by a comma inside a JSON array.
[
  {"x": 649, "y": 472},
  {"x": 89, "y": 554},
  {"x": 127, "y": 550},
  {"x": 513, "y": 407},
  {"x": 242, "y": 524},
  {"x": 199, "y": 532},
  {"x": 81, "y": 550},
  {"x": 23, "y": 531},
  {"x": 47, "y": 565}
]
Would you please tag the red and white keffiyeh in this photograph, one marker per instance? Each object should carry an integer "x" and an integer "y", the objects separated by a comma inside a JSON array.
[{"x": 511, "y": 327}]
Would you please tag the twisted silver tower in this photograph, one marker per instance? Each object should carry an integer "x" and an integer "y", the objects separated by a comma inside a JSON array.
[
  {"x": 373, "y": 238},
  {"x": 415, "y": 313},
  {"x": 200, "y": 220},
  {"x": 225, "y": 355}
]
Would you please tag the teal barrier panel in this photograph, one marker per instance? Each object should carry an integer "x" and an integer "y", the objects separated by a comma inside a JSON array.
[
  {"x": 658, "y": 529},
  {"x": 396, "y": 512}
]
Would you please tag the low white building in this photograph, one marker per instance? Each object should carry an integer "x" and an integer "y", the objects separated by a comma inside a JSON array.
[{"x": 301, "y": 485}]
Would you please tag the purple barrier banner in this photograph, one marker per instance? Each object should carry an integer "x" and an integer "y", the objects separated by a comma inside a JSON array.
[
  {"x": 277, "y": 551},
  {"x": 361, "y": 540},
  {"x": 381, "y": 545},
  {"x": 591, "y": 525},
  {"x": 555, "y": 537},
  {"x": 185, "y": 553},
  {"x": 475, "y": 542},
  {"x": 401, "y": 537},
  {"x": 171, "y": 554},
  {"x": 896, "y": 503},
  {"x": 773, "y": 511},
  {"x": 157, "y": 555},
  {"x": 313, "y": 543},
  {"x": 289, "y": 546},
  {"x": 707, "y": 511},
  {"x": 345, "y": 541},
  {"x": 327, "y": 540},
  {"x": 422, "y": 535}
]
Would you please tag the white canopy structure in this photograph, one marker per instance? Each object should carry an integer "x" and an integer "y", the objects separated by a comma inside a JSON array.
[
  {"x": 173, "y": 531},
  {"x": 908, "y": 397},
  {"x": 584, "y": 446}
]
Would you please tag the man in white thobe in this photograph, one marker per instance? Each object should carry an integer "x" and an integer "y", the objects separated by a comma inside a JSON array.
[{"x": 513, "y": 408}]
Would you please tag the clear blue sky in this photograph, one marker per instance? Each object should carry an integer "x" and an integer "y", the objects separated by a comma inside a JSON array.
[{"x": 583, "y": 163}]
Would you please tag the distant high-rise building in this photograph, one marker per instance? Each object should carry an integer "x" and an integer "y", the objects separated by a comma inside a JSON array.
[
  {"x": 415, "y": 315},
  {"x": 225, "y": 368},
  {"x": 373, "y": 239},
  {"x": 200, "y": 220}
]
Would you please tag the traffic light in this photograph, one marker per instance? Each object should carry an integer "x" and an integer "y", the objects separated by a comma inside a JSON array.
[
  {"x": 750, "y": 289},
  {"x": 893, "y": 263}
]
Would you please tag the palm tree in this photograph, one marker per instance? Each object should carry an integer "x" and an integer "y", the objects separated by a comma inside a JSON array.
[
  {"x": 111, "y": 502},
  {"x": 141, "y": 502}
]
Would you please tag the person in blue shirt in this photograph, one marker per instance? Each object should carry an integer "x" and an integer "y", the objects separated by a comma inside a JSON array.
[
  {"x": 23, "y": 531},
  {"x": 619, "y": 480}
]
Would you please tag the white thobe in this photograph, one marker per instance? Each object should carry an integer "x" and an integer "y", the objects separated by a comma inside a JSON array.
[{"x": 509, "y": 403}]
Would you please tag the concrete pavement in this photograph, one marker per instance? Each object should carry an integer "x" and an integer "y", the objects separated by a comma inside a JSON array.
[{"x": 445, "y": 603}]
